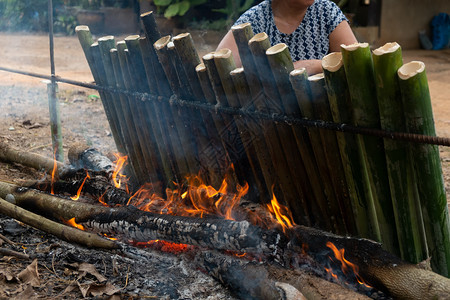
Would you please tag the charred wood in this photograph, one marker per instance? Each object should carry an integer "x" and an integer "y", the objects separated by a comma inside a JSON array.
[{"x": 84, "y": 157}]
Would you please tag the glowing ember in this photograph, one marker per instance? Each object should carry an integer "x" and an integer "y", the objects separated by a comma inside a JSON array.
[
  {"x": 72, "y": 223},
  {"x": 345, "y": 264},
  {"x": 164, "y": 246},
  {"x": 282, "y": 214},
  {"x": 117, "y": 176},
  {"x": 77, "y": 196}
]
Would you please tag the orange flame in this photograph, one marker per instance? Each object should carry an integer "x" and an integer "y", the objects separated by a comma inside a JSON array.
[
  {"x": 339, "y": 254},
  {"x": 282, "y": 214},
  {"x": 164, "y": 246},
  {"x": 55, "y": 167},
  {"x": 77, "y": 196},
  {"x": 120, "y": 163},
  {"x": 72, "y": 223}
]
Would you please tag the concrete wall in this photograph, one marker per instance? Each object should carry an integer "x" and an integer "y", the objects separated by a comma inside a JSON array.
[{"x": 401, "y": 20}]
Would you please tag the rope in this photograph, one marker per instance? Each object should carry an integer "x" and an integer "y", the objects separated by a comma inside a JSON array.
[{"x": 174, "y": 100}]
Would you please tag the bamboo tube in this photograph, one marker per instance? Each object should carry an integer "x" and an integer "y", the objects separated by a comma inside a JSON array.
[
  {"x": 329, "y": 206},
  {"x": 280, "y": 139},
  {"x": 210, "y": 147},
  {"x": 419, "y": 119},
  {"x": 354, "y": 166},
  {"x": 133, "y": 137},
  {"x": 281, "y": 64},
  {"x": 361, "y": 82},
  {"x": 387, "y": 60},
  {"x": 107, "y": 101},
  {"x": 225, "y": 64},
  {"x": 55, "y": 121},
  {"x": 322, "y": 111},
  {"x": 86, "y": 40},
  {"x": 187, "y": 149}
]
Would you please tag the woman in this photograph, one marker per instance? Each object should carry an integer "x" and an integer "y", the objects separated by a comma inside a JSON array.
[{"x": 311, "y": 29}]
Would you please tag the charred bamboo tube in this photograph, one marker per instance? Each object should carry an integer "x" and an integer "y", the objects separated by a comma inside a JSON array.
[
  {"x": 211, "y": 149},
  {"x": 387, "y": 60},
  {"x": 158, "y": 108},
  {"x": 419, "y": 119},
  {"x": 133, "y": 136},
  {"x": 279, "y": 137},
  {"x": 85, "y": 39},
  {"x": 355, "y": 169},
  {"x": 225, "y": 64},
  {"x": 184, "y": 151},
  {"x": 322, "y": 111},
  {"x": 166, "y": 120},
  {"x": 329, "y": 206},
  {"x": 361, "y": 82},
  {"x": 55, "y": 121}
]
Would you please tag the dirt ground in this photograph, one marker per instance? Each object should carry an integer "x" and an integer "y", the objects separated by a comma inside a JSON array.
[{"x": 25, "y": 125}]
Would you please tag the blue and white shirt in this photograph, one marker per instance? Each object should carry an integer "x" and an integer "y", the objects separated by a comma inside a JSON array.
[{"x": 311, "y": 38}]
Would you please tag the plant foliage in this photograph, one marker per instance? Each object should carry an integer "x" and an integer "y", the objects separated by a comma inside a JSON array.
[{"x": 174, "y": 8}]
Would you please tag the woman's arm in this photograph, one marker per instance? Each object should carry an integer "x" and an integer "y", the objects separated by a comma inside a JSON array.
[{"x": 229, "y": 43}]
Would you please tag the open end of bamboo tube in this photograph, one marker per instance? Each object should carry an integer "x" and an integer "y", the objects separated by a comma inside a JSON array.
[
  {"x": 162, "y": 42},
  {"x": 223, "y": 53},
  {"x": 200, "y": 68},
  {"x": 147, "y": 13},
  {"x": 106, "y": 38},
  {"x": 181, "y": 36},
  {"x": 353, "y": 47},
  {"x": 258, "y": 37},
  {"x": 209, "y": 56},
  {"x": 387, "y": 48},
  {"x": 236, "y": 71},
  {"x": 297, "y": 72},
  {"x": 132, "y": 37},
  {"x": 411, "y": 69},
  {"x": 81, "y": 28},
  {"x": 240, "y": 26},
  {"x": 316, "y": 77},
  {"x": 332, "y": 62},
  {"x": 276, "y": 49},
  {"x": 170, "y": 45},
  {"x": 94, "y": 44}
]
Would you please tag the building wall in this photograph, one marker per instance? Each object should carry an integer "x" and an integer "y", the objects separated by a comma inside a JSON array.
[{"x": 401, "y": 20}]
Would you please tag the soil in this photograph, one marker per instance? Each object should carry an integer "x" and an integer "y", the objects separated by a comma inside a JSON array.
[{"x": 25, "y": 125}]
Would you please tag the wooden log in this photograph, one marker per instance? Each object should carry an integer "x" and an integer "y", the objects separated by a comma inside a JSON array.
[
  {"x": 408, "y": 216},
  {"x": 63, "y": 232},
  {"x": 358, "y": 66},
  {"x": 355, "y": 168},
  {"x": 82, "y": 156},
  {"x": 279, "y": 137},
  {"x": 428, "y": 171}
]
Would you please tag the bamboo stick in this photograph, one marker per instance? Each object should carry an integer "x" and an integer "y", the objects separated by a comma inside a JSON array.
[
  {"x": 279, "y": 138},
  {"x": 361, "y": 82},
  {"x": 225, "y": 64},
  {"x": 419, "y": 119},
  {"x": 387, "y": 60},
  {"x": 355, "y": 168},
  {"x": 55, "y": 121},
  {"x": 329, "y": 206}
]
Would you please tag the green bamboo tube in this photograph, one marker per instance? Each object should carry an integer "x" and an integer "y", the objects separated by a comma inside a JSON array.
[
  {"x": 186, "y": 153},
  {"x": 107, "y": 100},
  {"x": 322, "y": 111},
  {"x": 276, "y": 135},
  {"x": 419, "y": 119},
  {"x": 225, "y": 124},
  {"x": 139, "y": 116},
  {"x": 225, "y": 64},
  {"x": 354, "y": 166},
  {"x": 281, "y": 65},
  {"x": 86, "y": 40},
  {"x": 361, "y": 82},
  {"x": 132, "y": 138},
  {"x": 387, "y": 60},
  {"x": 139, "y": 82},
  {"x": 329, "y": 206}
]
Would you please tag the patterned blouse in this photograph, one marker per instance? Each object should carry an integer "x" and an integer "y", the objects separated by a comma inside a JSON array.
[{"x": 310, "y": 39}]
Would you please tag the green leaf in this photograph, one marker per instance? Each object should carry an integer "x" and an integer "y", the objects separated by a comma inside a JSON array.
[
  {"x": 247, "y": 5},
  {"x": 172, "y": 10},
  {"x": 184, "y": 7},
  {"x": 162, "y": 2}
]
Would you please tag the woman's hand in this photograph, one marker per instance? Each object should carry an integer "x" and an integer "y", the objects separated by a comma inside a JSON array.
[{"x": 312, "y": 66}]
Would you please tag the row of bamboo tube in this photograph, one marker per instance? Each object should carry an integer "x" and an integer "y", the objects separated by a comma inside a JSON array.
[{"x": 389, "y": 191}]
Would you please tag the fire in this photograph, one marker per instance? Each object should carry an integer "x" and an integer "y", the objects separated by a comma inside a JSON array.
[
  {"x": 345, "y": 264},
  {"x": 55, "y": 167},
  {"x": 164, "y": 246},
  {"x": 282, "y": 214},
  {"x": 117, "y": 176},
  {"x": 72, "y": 223},
  {"x": 77, "y": 196}
]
